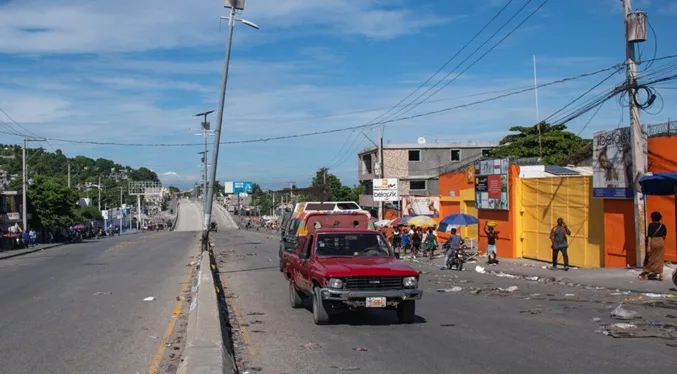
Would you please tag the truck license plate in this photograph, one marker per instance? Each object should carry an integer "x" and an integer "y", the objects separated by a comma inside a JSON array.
[{"x": 376, "y": 302}]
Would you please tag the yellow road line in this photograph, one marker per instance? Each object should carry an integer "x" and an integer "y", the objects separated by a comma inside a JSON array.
[
  {"x": 244, "y": 331},
  {"x": 160, "y": 352}
]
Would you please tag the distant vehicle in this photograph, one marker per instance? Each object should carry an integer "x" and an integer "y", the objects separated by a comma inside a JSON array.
[{"x": 350, "y": 269}]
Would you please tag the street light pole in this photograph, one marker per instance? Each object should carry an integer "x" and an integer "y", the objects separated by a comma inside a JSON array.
[
  {"x": 205, "y": 132},
  {"x": 233, "y": 5},
  {"x": 24, "y": 183}
]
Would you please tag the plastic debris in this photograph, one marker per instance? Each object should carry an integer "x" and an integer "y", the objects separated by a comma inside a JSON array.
[
  {"x": 532, "y": 278},
  {"x": 623, "y": 314},
  {"x": 480, "y": 270},
  {"x": 450, "y": 290},
  {"x": 531, "y": 311},
  {"x": 352, "y": 368},
  {"x": 596, "y": 319},
  {"x": 512, "y": 289},
  {"x": 311, "y": 346},
  {"x": 360, "y": 349},
  {"x": 504, "y": 275},
  {"x": 101, "y": 293},
  {"x": 625, "y": 326},
  {"x": 670, "y": 316},
  {"x": 447, "y": 324},
  {"x": 149, "y": 298},
  {"x": 655, "y": 295},
  {"x": 569, "y": 295}
]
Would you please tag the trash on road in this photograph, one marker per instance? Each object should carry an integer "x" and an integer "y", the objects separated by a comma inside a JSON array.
[
  {"x": 532, "y": 278},
  {"x": 505, "y": 275},
  {"x": 670, "y": 316},
  {"x": 447, "y": 324},
  {"x": 596, "y": 319},
  {"x": 511, "y": 289},
  {"x": 311, "y": 346},
  {"x": 625, "y": 326},
  {"x": 655, "y": 295},
  {"x": 149, "y": 298},
  {"x": 256, "y": 314},
  {"x": 101, "y": 293},
  {"x": 623, "y": 314},
  {"x": 450, "y": 290},
  {"x": 480, "y": 270},
  {"x": 531, "y": 311},
  {"x": 352, "y": 368},
  {"x": 360, "y": 349},
  {"x": 569, "y": 295}
]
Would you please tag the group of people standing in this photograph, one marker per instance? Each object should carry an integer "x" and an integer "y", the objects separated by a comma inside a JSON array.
[{"x": 414, "y": 240}]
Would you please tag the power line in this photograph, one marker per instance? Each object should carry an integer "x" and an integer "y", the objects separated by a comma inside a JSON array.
[{"x": 414, "y": 104}]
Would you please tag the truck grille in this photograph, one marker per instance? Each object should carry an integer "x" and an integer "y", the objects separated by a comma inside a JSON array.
[{"x": 374, "y": 283}]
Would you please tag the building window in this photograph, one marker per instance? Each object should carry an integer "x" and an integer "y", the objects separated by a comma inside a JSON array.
[
  {"x": 415, "y": 155},
  {"x": 417, "y": 185},
  {"x": 485, "y": 152},
  {"x": 455, "y": 155},
  {"x": 366, "y": 164}
]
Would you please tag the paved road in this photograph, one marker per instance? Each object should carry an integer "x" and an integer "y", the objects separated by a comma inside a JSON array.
[
  {"x": 81, "y": 309},
  {"x": 190, "y": 216},
  {"x": 538, "y": 328}
]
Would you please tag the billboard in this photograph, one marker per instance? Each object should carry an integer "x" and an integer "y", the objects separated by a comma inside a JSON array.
[
  {"x": 228, "y": 187},
  {"x": 421, "y": 206},
  {"x": 243, "y": 187},
  {"x": 385, "y": 189},
  {"x": 612, "y": 164},
  {"x": 491, "y": 184}
]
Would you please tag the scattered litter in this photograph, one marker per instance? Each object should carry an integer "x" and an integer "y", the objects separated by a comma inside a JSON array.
[
  {"x": 535, "y": 295},
  {"x": 258, "y": 332},
  {"x": 449, "y": 290},
  {"x": 504, "y": 275},
  {"x": 671, "y": 345},
  {"x": 154, "y": 337},
  {"x": 596, "y": 319},
  {"x": 149, "y": 298},
  {"x": 625, "y": 326},
  {"x": 352, "y": 368},
  {"x": 569, "y": 295},
  {"x": 311, "y": 346},
  {"x": 544, "y": 267},
  {"x": 655, "y": 295},
  {"x": 670, "y": 316},
  {"x": 480, "y": 270},
  {"x": 511, "y": 289},
  {"x": 178, "y": 298},
  {"x": 447, "y": 324},
  {"x": 531, "y": 311},
  {"x": 532, "y": 278},
  {"x": 623, "y": 314},
  {"x": 102, "y": 293},
  {"x": 615, "y": 294},
  {"x": 360, "y": 349},
  {"x": 256, "y": 314},
  {"x": 256, "y": 322}
]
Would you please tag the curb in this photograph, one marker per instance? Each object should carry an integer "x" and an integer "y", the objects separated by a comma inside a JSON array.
[
  {"x": 205, "y": 351},
  {"x": 176, "y": 220},
  {"x": 29, "y": 252}
]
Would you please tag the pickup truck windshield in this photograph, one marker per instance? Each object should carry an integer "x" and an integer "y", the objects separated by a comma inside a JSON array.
[{"x": 351, "y": 245}]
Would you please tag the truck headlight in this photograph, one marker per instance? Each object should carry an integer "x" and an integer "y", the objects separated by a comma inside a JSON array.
[
  {"x": 335, "y": 283},
  {"x": 410, "y": 282}
]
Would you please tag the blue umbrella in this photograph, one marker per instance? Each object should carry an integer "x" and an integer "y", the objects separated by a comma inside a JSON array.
[{"x": 460, "y": 219}]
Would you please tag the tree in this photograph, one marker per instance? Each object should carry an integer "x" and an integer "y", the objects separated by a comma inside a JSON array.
[
  {"x": 143, "y": 174},
  {"x": 173, "y": 189},
  {"x": 89, "y": 213},
  {"x": 330, "y": 181},
  {"x": 53, "y": 203},
  {"x": 557, "y": 143}
]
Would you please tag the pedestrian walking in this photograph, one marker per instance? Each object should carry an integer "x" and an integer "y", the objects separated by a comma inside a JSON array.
[
  {"x": 431, "y": 243},
  {"x": 416, "y": 240},
  {"x": 654, "y": 260},
  {"x": 33, "y": 237},
  {"x": 560, "y": 243},
  {"x": 492, "y": 237},
  {"x": 406, "y": 242}
]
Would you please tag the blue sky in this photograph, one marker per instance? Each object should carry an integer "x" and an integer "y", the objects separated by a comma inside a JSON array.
[{"x": 137, "y": 71}]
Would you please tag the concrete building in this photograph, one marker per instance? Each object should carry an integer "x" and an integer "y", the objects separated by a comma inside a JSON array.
[{"x": 417, "y": 166}]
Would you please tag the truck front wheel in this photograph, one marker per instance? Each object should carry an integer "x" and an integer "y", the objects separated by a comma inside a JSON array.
[
  {"x": 320, "y": 314},
  {"x": 295, "y": 298},
  {"x": 406, "y": 311}
]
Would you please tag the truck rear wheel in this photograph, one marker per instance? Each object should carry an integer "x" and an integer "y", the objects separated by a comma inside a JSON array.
[
  {"x": 320, "y": 314},
  {"x": 406, "y": 311},
  {"x": 295, "y": 298}
]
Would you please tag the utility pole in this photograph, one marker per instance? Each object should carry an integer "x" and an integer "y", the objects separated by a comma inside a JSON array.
[
  {"x": 381, "y": 167},
  {"x": 205, "y": 132},
  {"x": 538, "y": 116},
  {"x": 69, "y": 174},
  {"x": 99, "y": 188},
  {"x": 636, "y": 137},
  {"x": 121, "y": 214},
  {"x": 234, "y": 6}
]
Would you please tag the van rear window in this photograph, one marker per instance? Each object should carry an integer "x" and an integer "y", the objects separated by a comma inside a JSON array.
[{"x": 320, "y": 206}]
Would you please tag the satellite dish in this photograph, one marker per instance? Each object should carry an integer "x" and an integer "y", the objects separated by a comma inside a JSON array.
[{"x": 421, "y": 140}]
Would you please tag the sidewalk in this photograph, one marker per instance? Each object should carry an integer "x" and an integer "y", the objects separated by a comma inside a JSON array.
[
  {"x": 20, "y": 252},
  {"x": 610, "y": 278}
]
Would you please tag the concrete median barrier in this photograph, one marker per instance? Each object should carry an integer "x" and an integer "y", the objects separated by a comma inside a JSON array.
[{"x": 205, "y": 351}]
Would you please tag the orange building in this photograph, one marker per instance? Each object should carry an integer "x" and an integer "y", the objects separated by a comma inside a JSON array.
[{"x": 619, "y": 223}]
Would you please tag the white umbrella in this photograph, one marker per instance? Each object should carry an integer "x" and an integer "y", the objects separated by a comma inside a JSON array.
[{"x": 383, "y": 222}]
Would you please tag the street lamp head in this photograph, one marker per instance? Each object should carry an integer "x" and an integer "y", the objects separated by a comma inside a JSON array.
[{"x": 249, "y": 23}]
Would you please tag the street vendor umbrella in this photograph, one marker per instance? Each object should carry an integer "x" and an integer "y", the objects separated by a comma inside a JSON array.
[
  {"x": 401, "y": 221},
  {"x": 422, "y": 221},
  {"x": 79, "y": 226},
  {"x": 460, "y": 219}
]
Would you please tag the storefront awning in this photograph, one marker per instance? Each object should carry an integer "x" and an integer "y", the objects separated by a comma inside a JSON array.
[{"x": 663, "y": 184}]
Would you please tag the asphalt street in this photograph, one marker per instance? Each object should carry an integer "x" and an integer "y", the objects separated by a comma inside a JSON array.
[
  {"x": 539, "y": 327},
  {"x": 80, "y": 308}
]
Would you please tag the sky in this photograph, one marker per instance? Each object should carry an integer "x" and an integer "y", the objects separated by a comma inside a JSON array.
[{"x": 137, "y": 71}]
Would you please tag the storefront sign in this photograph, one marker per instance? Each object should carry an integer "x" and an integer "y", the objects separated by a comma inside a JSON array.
[
  {"x": 612, "y": 164},
  {"x": 421, "y": 206},
  {"x": 386, "y": 189},
  {"x": 491, "y": 184}
]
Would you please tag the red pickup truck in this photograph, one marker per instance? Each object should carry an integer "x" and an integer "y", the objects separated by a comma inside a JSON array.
[{"x": 349, "y": 269}]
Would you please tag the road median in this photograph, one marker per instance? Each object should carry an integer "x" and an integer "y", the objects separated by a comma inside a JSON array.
[{"x": 205, "y": 351}]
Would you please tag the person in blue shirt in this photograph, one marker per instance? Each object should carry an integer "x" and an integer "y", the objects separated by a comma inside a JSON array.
[
  {"x": 453, "y": 244},
  {"x": 405, "y": 240}
]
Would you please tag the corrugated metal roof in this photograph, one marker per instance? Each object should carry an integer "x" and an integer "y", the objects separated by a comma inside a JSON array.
[{"x": 460, "y": 145}]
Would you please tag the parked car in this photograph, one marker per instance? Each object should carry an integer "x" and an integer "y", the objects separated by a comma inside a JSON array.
[{"x": 347, "y": 269}]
